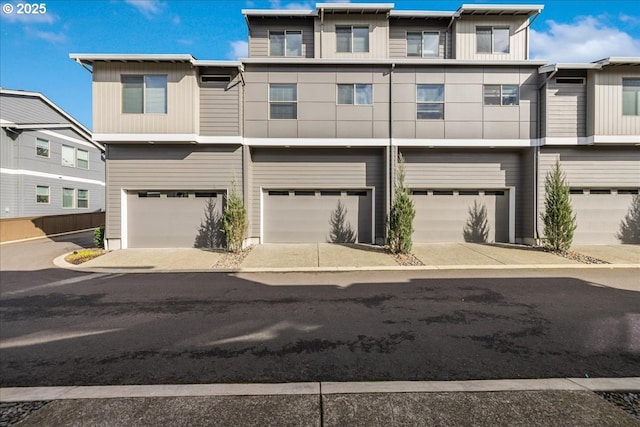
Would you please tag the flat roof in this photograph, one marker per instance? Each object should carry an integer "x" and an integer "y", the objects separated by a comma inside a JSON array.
[
  {"x": 90, "y": 58},
  {"x": 499, "y": 9},
  {"x": 596, "y": 65}
]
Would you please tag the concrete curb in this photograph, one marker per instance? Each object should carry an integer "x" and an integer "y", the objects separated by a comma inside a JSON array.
[{"x": 22, "y": 394}]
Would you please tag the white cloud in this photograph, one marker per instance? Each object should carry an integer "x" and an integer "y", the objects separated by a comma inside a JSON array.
[
  {"x": 24, "y": 18},
  {"x": 300, "y": 5},
  {"x": 49, "y": 36},
  {"x": 148, "y": 8},
  {"x": 239, "y": 49},
  {"x": 186, "y": 42},
  {"x": 585, "y": 40},
  {"x": 176, "y": 20}
]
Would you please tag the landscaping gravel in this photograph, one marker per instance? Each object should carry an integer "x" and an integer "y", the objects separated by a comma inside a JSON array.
[
  {"x": 584, "y": 259},
  {"x": 232, "y": 260},
  {"x": 407, "y": 259},
  {"x": 14, "y": 412},
  {"x": 629, "y": 402}
]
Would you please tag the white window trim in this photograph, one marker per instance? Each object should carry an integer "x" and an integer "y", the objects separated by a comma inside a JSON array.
[
  {"x": 493, "y": 46},
  {"x": 88, "y": 159},
  {"x": 144, "y": 92},
  {"x": 422, "y": 33},
  {"x": 430, "y": 102},
  {"x": 354, "y": 94},
  {"x": 284, "y": 55},
  {"x": 48, "y": 156},
  {"x": 352, "y": 27},
  {"x": 78, "y": 198},
  {"x": 73, "y": 199},
  {"x": 501, "y": 96},
  {"x": 283, "y": 102},
  {"x": 74, "y": 156},
  {"x": 48, "y": 202}
]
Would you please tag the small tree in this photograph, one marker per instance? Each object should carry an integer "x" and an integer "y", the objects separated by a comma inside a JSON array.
[
  {"x": 630, "y": 225},
  {"x": 98, "y": 237},
  {"x": 400, "y": 224},
  {"x": 234, "y": 221},
  {"x": 559, "y": 220}
]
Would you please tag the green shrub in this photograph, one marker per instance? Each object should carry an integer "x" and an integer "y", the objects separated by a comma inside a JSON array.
[
  {"x": 234, "y": 221},
  {"x": 559, "y": 220},
  {"x": 98, "y": 237},
  {"x": 400, "y": 223}
]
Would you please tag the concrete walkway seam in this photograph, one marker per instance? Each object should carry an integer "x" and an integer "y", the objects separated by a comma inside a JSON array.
[{"x": 20, "y": 394}]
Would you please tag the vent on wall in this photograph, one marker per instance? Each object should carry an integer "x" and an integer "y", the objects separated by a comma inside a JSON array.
[
  {"x": 208, "y": 78},
  {"x": 570, "y": 80}
]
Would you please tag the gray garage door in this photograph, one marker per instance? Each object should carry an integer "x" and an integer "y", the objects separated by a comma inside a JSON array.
[
  {"x": 599, "y": 213},
  {"x": 461, "y": 215},
  {"x": 309, "y": 216},
  {"x": 174, "y": 219}
]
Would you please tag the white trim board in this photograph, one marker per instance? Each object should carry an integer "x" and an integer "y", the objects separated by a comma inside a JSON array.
[{"x": 50, "y": 176}]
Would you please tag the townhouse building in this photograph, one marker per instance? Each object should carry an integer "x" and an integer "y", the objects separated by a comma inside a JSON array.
[{"x": 316, "y": 117}]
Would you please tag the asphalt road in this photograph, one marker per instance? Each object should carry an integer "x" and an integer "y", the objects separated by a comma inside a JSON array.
[{"x": 65, "y": 328}]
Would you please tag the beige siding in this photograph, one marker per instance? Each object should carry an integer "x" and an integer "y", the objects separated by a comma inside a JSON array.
[
  {"x": 566, "y": 110},
  {"x": 465, "y": 34},
  {"x": 378, "y": 36},
  {"x": 182, "y": 96},
  {"x": 398, "y": 37},
  {"x": 167, "y": 167},
  {"x": 221, "y": 108},
  {"x": 316, "y": 168},
  {"x": 607, "y": 102},
  {"x": 259, "y": 35}
]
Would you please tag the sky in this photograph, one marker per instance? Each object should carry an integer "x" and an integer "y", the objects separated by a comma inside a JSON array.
[{"x": 34, "y": 48}]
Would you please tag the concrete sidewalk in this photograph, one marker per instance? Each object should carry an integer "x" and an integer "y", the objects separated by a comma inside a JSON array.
[{"x": 561, "y": 401}]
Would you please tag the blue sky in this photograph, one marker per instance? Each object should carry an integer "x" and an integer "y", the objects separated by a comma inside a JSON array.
[{"x": 34, "y": 49}]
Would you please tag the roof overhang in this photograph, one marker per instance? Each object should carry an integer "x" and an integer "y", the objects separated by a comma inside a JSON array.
[
  {"x": 421, "y": 14},
  {"x": 596, "y": 65},
  {"x": 499, "y": 9},
  {"x": 90, "y": 59},
  {"x": 278, "y": 13},
  {"x": 355, "y": 7}
]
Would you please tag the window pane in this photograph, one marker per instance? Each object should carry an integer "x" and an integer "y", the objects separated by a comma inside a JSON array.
[
  {"x": 363, "y": 94},
  {"x": 361, "y": 39},
  {"x": 414, "y": 44},
  {"x": 156, "y": 94},
  {"x": 431, "y": 44},
  {"x": 510, "y": 95},
  {"x": 430, "y": 111},
  {"x": 83, "y": 159},
  {"x": 282, "y": 92},
  {"x": 343, "y": 39},
  {"x": 132, "y": 90},
  {"x": 42, "y": 148},
  {"x": 345, "y": 94},
  {"x": 83, "y": 198},
  {"x": 492, "y": 95},
  {"x": 276, "y": 43},
  {"x": 500, "y": 40},
  {"x": 631, "y": 97},
  {"x": 68, "y": 156},
  {"x": 42, "y": 194},
  {"x": 429, "y": 93},
  {"x": 483, "y": 36},
  {"x": 294, "y": 43},
  {"x": 283, "y": 110},
  {"x": 67, "y": 197}
]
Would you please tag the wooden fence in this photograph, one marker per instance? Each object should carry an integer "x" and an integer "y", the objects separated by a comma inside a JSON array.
[{"x": 40, "y": 226}]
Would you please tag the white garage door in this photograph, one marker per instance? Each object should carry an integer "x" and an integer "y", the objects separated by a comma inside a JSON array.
[
  {"x": 461, "y": 215},
  {"x": 174, "y": 219},
  {"x": 310, "y": 216}
]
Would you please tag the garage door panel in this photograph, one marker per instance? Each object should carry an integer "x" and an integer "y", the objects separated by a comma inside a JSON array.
[{"x": 598, "y": 216}]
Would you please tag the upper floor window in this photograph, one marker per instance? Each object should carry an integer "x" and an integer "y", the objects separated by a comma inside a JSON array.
[
  {"x": 425, "y": 44},
  {"x": 42, "y": 194},
  {"x": 355, "y": 94},
  {"x": 82, "y": 159},
  {"x": 501, "y": 95},
  {"x": 144, "y": 94},
  {"x": 492, "y": 40},
  {"x": 430, "y": 101},
  {"x": 631, "y": 97},
  {"x": 75, "y": 157},
  {"x": 285, "y": 43},
  {"x": 352, "y": 39},
  {"x": 283, "y": 101},
  {"x": 42, "y": 147}
]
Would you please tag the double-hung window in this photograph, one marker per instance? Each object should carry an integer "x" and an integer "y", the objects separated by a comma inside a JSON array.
[
  {"x": 285, "y": 43},
  {"x": 68, "y": 156},
  {"x": 501, "y": 95},
  {"x": 82, "y": 159},
  {"x": 42, "y": 147},
  {"x": 430, "y": 101},
  {"x": 631, "y": 97},
  {"x": 83, "y": 199},
  {"x": 283, "y": 101},
  {"x": 492, "y": 40},
  {"x": 426, "y": 44},
  {"x": 68, "y": 196},
  {"x": 355, "y": 94},
  {"x": 144, "y": 94},
  {"x": 42, "y": 194},
  {"x": 353, "y": 39}
]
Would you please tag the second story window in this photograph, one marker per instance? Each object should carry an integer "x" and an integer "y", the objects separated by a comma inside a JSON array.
[
  {"x": 501, "y": 95},
  {"x": 42, "y": 148},
  {"x": 425, "y": 44},
  {"x": 492, "y": 40},
  {"x": 283, "y": 101},
  {"x": 285, "y": 43},
  {"x": 430, "y": 102},
  {"x": 352, "y": 39},
  {"x": 631, "y": 97},
  {"x": 82, "y": 159},
  {"x": 144, "y": 94},
  {"x": 355, "y": 94}
]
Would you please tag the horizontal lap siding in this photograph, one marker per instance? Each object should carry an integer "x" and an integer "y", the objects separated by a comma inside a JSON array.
[
  {"x": 316, "y": 169},
  {"x": 168, "y": 167},
  {"x": 219, "y": 111},
  {"x": 566, "y": 110}
]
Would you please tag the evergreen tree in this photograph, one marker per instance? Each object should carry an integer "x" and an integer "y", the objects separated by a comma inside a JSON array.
[
  {"x": 558, "y": 218},
  {"x": 630, "y": 225},
  {"x": 400, "y": 224},
  {"x": 234, "y": 221}
]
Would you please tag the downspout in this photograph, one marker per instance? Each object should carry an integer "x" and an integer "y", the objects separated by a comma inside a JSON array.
[
  {"x": 390, "y": 183},
  {"x": 321, "y": 30}
]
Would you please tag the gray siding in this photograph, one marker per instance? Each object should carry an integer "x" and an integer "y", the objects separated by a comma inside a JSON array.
[
  {"x": 167, "y": 167},
  {"x": 220, "y": 108},
  {"x": 566, "y": 110},
  {"x": 398, "y": 36},
  {"x": 28, "y": 110},
  {"x": 31, "y": 208},
  {"x": 259, "y": 35},
  {"x": 316, "y": 168}
]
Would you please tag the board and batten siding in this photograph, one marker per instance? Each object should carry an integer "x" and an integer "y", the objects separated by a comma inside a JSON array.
[
  {"x": 565, "y": 114},
  {"x": 466, "y": 42},
  {"x": 607, "y": 102},
  {"x": 259, "y": 35},
  {"x": 317, "y": 168},
  {"x": 167, "y": 167},
  {"x": 326, "y": 44},
  {"x": 221, "y": 108},
  {"x": 182, "y": 99},
  {"x": 398, "y": 30}
]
